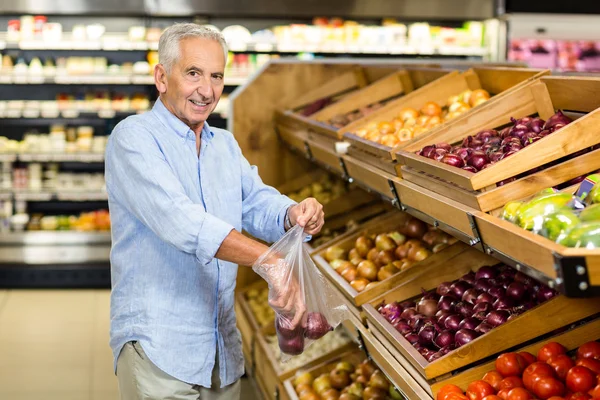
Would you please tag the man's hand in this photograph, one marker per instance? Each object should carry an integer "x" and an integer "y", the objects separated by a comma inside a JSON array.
[{"x": 309, "y": 215}]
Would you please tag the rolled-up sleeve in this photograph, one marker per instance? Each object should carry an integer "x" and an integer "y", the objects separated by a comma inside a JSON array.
[
  {"x": 263, "y": 207},
  {"x": 139, "y": 178}
]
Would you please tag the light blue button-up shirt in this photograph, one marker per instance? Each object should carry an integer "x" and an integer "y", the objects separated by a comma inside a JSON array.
[{"x": 170, "y": 212}]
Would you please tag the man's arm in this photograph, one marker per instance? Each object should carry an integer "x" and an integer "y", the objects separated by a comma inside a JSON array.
[{"x": 139, "y": 178}]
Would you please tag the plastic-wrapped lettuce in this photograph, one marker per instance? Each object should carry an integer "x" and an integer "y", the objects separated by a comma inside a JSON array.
[{"x": 584, "y": 235}]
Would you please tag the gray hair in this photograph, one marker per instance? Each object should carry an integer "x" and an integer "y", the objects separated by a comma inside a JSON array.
[{"x": 168, "y": 45}]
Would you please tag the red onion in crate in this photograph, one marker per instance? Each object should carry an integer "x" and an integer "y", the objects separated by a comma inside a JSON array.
[
  {"x": 468, "y": 277},
  {"x": 412, "y": 338},
  {"x": 558, "y": 118},
  {"x": 427, "y": 335},
  {"x": 464, "y": 152},
  {"x": 439, "y": 154},
  {"x": 403, "y": 327},
  {"x": 443, "y": 288},
  {"x": 470, "y": 295},
  {"x": 519, "y": 131},
  {"x": 486, "y": 272},
  {"x": 444, "y": 146},
  {"x": 470, "y": 169},
  {"x": 497, "y": 317},
  {"x": 536, "y": 124},
  {"x": 485, "y": 298},
  {"x": 453, "y": 160},
  {"x": 506, "y": 181},
  {"x": 496, "y": 156},
  {"x": 452, "y": 321},
  {"x": 478, "y": 160},
  {"x": 484, "y": 327},
  {"x": 469, "y": 323},
  {"x": 463, "y": 308},
  {"x": 428, "y": 151},
  {"x": 446, "y": 303},
  {"x": 464, "y": 336},
  {"x": 516, "y": 291},
  {"x": 485, "y": 135},
  {"x": 482, "y": 307},
  {"x": 444, "y": 339},
  {"x": 458, "y": 288},
  {"x": 408, "y": 313},
  {"x": 505, "y": 132}
]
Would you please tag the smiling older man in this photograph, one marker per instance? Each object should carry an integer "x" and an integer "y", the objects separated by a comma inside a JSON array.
[{"x": 180, "y": 192}]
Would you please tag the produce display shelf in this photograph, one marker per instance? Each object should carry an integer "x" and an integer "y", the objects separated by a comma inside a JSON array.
[
  {"x": 27, "y": 195},
  {"x": 53, "y": 157},
  {"x": 37, "y": 238},
  {"x": 98, "y": 79}
]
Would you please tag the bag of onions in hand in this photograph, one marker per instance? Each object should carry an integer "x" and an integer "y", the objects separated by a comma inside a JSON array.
[{"x": 305, "y": 307}]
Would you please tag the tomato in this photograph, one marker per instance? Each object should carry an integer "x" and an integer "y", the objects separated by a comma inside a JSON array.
[
  {"x": 535, "y": 371},
  {"x": 529, "y": 358},
  {"x": 556, "y": 398},
  {"x": 580, "y": 379},
  {"x": 477, "y": 390},
  {"x": 447, "y": 389},
  {"x": 511, "y": 382},
  {"x": 503, "y": 393},
  {"x": 595, "y": 392},
  {"x": 492, "y": 397},
  {"x": 493, "y": 378},
  {"x": 561, "y": 363},
  {"x": 510, "y": 364},
  {"x": 519, "y": 394},
  {"x": 455, "y": 396},
  {"x": 549, "y": 350},
  {"x": 547, "y": 387},
  {"x": 578, "y": 396},
  {"x": 589, "y": 350},
  {"x": 589, "y": 363}
]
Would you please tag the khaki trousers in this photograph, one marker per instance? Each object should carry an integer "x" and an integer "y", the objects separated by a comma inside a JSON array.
[{"x": 140, "y": 379}]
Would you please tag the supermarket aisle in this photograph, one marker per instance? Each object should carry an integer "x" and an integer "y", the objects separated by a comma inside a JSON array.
[{"x": 54, "y": 346}]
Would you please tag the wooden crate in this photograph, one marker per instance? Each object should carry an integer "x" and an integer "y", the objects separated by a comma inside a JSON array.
[
  {"x": 499, "y": 82},
  {"x": 354, "y": 356},
  {"x": 571, "y": 339},
  {"x": 387, "y": 222},
  {"x": 371, "y": 177},
  {"x": 526, "y": 326},
  {"x": 246, "y": 321},
  {"x": 270, "y": 374},
  {"x": 479, "y": 190}
]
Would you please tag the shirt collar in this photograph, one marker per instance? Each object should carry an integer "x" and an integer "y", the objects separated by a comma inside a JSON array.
[{"x": 171, "y": 121}]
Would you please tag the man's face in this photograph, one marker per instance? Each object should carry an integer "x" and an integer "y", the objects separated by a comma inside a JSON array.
[{"x": 193, "y": 87}]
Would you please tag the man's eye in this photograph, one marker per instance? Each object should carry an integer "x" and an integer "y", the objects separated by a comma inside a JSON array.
[
  {"x": 193, "y": 73},
  {"x": 217, "y": 77}
]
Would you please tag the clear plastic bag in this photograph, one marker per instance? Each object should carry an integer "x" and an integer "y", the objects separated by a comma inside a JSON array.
[{"x": 305, "y": 306}]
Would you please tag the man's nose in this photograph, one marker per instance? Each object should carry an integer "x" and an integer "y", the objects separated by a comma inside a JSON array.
[{"x": 205, "y": 89}]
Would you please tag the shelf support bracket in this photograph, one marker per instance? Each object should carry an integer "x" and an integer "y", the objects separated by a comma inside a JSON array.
[
  {"x": 573, "y": 278},
  {"x": 395, "y": 198}
]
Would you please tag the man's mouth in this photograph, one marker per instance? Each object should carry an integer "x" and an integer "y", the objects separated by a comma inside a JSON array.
[{"x": 199, "y": 103}]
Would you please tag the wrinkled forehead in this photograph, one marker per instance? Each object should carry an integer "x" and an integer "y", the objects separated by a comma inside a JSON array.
[{"x": 202, "y": 52}]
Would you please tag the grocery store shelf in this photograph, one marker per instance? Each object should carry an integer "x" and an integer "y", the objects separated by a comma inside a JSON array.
[
  {"x": 24, "y": 195},
  {"x": 17, "y": 114},
  {"x": 108, "y": 43},
  {"x": 97, "y": 79},
  {"x": 46, "y": 238},
  {"x": 49, "y": 157}
]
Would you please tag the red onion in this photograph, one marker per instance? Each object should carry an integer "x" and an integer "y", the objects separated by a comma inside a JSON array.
[
  {"x": 428, "y": 151},
  {"x": 483, "y": 285},
  {"x": 407, "y": 304},
  {"x": 427, "y": 335},
  {"x": 439, "y": 154},
  {"x": 444, "y": 339},
  {"x": 509, "y": 140},
  {"x": 443, "y": 288},
  {"x": 408, "y": 313},
  {"x": 558, "y": 118},
  {"x": 469, "y": 278},
  {"x": 508, "y": 180},
  {"x": 470, "y": 295},
  {"x": 417, "y": 321},
  {"x": 467, "y": 141},
  {"x": 519, "y": 130},
  {"x": 497, "y": 317},
  {"x": 452, "y": 321},
  {"x": 445, "y": 350},
  {"x": 482, "y": 307},
  {"x": 470, "y": 169},
  {"x": 478, "y": 160},
  {"x": 453, "y": 160},
  {"x": 458, "y": 288},
  {"x": 412, "y": 338},
  {"x": 516, "y": 291},
  {"x": 485, "y": 135},
  {"x": 484, "y": 327},
  {"x": 556, "y": 127},
  {"x": 497, "y": 291},
  {"x": 485, "y": 298},
  {"x": 427, "y": 307},
  {"x": 503, "y": 303},
  {"x": 545, "y": 133},
  {"x": 392, "y": 311},
  {"x": 430, "y": 295},
  {"x": 486, "y": 272},
  {"x": 505, "y": 132},
  {"x": 545, "y": 293},
  {"x": 403, "y": 327},
  {"x": 464, "y": 336},
  {"x": 526, "y": 280},
  {"x": 495, "y": 140},
  {"x": 469, "y": 323},
  {"x": 536, "y": 125},
  {"x": 480, "y": 315},
  {"x": 463, "y": 308},
  {"x": 464, "y": 152},
  {"x": 444, "y": 146},
  {"x": 524, "y": 120},
  {"x": 432, "y": 356},
  {"x": 446, "y": 303},
  {"x": 441, "y": 316},
  {"x": 496, "y": 156}
]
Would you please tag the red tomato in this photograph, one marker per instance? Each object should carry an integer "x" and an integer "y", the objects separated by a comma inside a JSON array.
[
  {"x": 595, "y": 392},
  {"x": 580, "y": 379},
  {"x": 578, "y": 396},
  {"x": 561, "y": 363},
  {"x": 492, "y": 397},
  {"x": 589, "y": 350},
  {"x": 456, "y": 396},
  {"x": 447, "y": 389},
  {"x": 556, "y": 398},
  {"x": 589, "y": 363},
  {"x": 511, "y": 382},
  {"x": 477, "y": 390},
  {"x": 493, "y": 378},
  {"x": 510, "y": 364},
  {"x": 503, "y": 393},
  {"x": 549, "y": 350},
  {"x": 547, "y": 387},
  {"x": 519, "y": 394},
  {"x": 535, "y": 371},
  {"x": 529, "y": 358}
]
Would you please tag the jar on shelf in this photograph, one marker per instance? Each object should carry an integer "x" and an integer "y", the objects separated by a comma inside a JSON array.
[
  {"x": 13, "y": 32},
  {"x": 38, "y": 25},
  {"x": 27, "y": 27}
]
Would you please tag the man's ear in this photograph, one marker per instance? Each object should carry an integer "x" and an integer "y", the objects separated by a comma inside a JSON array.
[{"x": 160, "y": 78}]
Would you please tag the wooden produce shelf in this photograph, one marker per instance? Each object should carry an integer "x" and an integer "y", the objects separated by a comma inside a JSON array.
[
  {"x": 497, "y": 81},
  {"x": 529, "y": 325},
  {"x": 268, "y": 370},
  {"x": 399, "y": 376},
  {"x": 246, "y": 321},
  {"x": 354, "y": 356},
  {"x": 479, "y": 190},
  {"x": 372, "y": 178},
  {"x": 571, "y": 339},
  {"x": 387, "y": 222}
]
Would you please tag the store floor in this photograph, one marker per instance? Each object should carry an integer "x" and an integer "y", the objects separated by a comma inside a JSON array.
[{"x": 54, "y": 346}]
